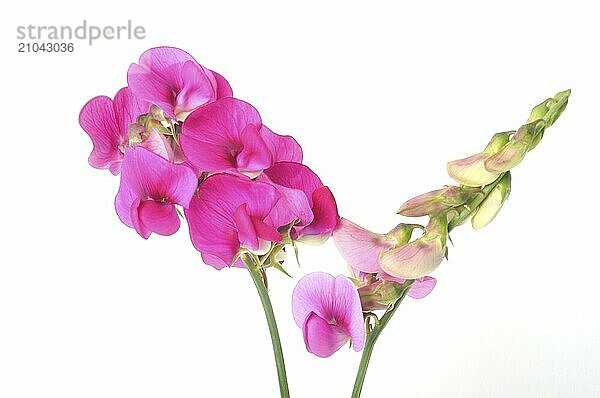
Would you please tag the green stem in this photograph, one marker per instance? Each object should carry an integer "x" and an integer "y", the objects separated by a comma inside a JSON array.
[
  {"x": 257, "y": 278},
  {"x": 370, "y": 344}
]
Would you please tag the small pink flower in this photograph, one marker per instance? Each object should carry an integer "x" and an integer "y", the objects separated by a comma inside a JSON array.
[
  {"x": 229, "y": 213},
  {"x": 328, "y": 311},
  {"x": 150, "y": 187},
  {"x": 174, "y": 81},
  {"x": 228, "y": 136},
  {"x": 303, "y": 198},
  {"x": 106, "y": 121}
]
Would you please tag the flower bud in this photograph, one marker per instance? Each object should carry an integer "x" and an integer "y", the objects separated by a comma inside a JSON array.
[
  {"x": 550, "y": 109},
  {"x": 471, "y": 171},
  {"x": 435, "y": 202},
  {"x": 380, "y": 294},
  {"x": 492, "y": 204},
  {"x": 421, "y": 256},
  {"x": 513, "y": 152}
]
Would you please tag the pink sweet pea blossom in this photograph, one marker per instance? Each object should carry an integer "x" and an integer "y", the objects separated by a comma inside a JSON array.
[
  {"x": 150, "y": 187},
  {"x": 174, "y": 81},
  {"x": 362, "y": 250},
  {"x": 303, "y": 198},
  {"x": 328, "y": 311},
  {"x": 228, "y": 136},
  {"x": 229, "y": 213},
  {"x": 106, "y": 121}
]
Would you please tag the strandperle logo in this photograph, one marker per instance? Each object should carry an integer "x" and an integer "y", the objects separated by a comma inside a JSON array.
[{"x": 87, "y": 32}]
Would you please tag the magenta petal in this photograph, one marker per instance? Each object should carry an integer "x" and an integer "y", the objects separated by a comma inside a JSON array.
[
  {"x": 421, "y": 287},
  {"x": 127, "y": 109},
  {"x": 98, "y": 119},
  {"x": 148, "y": 176},
  {"x": 211, "y": 136},
  {"x": 196, "y": 88},
  {"x": 173, "y": 80},
  {"x": 325, "y": 213},
  {"x": 297, "y": 183},
  {"x": 296, "y": 176},
  {"x": 159, "y": 217},
  {"x": 293, "y": 205},
  {"x": 265, "y": 231},
  {"x": 223, "y": 87},
  {"x": 150, "y": 87},
  {"x": 243, "y": 222},
  {"x": 106, "y": 122},
  {"x": 322, "y": 338},
  {"x": 333, "y": 299},
  {"x": 212, "y": 215},
  {"x": 283, "y": 147},
  {"x": 359, "y": 247},
  {"x": 254, "y": 155}
]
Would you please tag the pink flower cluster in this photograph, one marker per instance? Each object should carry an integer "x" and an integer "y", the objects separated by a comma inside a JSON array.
[{"x": 178, "y": 138}]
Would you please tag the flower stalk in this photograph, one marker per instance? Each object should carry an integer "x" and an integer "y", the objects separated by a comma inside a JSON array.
[
  {"x": 489, "y": 171},
  {"x": 372, "y": 336},
  {"x": 252, "y": 264}
]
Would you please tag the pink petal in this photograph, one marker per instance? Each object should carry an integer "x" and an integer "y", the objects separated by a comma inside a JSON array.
[
  {"x": 211, "y": 136},
  {"x": 255, "y": 155},
  {"x": 413, "y": 260},
  {"x": 223, "y": 87},
  {"x": 421, "y": 287},
  {"x": 161, "y": 218},
  {"x": 151, "y": 87},
  {"x": 251, "y": 229},
  {"x": 322, "y": 338},
  {"x": 283, "y": 147},
  {"x": 147, "y": 176},
  {"x": 360, "y": 247},
  {"x": 325, "y": 213},
  {"x": 335, "y": 300},
  {"x": 127, "y": 109},
  {"x": 98, "y": 119},
  {"x": 296, "y": 176},
  {"x": 212, "y": 215},
  {"x": 293, "y": 205},
  {"x": 196, "y": 89},
  {"x": 172, "y": 79}
]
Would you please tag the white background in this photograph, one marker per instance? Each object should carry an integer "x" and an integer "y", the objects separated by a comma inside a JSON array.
[{"x": 380, "y": 95}]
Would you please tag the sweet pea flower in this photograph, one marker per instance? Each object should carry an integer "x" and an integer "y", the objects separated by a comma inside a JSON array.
[
  {"x": 228, "y": 214},
  {"x": 421, "y": 256},
  {"x": 149, "y": 189},
  {"x": 107, "y": 121},
  {"x": 328, "y": 311},
  {"x": 228, "y": 136},
  {"x": 362, "y": 250},
  {"x": 174, "y": 81},
  {"x": 304, "y": 199}
]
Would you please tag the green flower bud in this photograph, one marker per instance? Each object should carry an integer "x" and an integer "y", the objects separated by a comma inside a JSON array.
[{"x": 437, "y": 201}]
